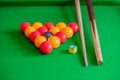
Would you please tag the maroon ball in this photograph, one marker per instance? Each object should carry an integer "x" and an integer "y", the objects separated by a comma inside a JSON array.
[
  {"x": 42, "y": 30},
  {"x": 46, "y": 47},
  {"x": 74, "y": 26},
  {"x": 49, "y": 25},
  {"x": 24, "y": 25},
  {"x": 62, "y": 36},
  {"x": 34, "y": 35}
]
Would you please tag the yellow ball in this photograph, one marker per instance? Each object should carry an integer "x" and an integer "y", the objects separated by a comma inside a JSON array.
[
  {"x": 37, "y": 25},
  {"x": 68, "y": 31},
  {"x": 55, "y": 41},
  {"x": 61, "y": 25},
  {"x": 54, "y": 30},
  {"x": 29, "y": 30},
  {"x": 39, "y": 40}
]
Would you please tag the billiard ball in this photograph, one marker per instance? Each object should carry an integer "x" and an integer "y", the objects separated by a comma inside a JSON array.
[
  {"x": 55, "y": 41},
  {"x": 46, "y": 47},
  {"x": 29, "y": 30},
  {"x": 74, "y": 26},
  {"x": 37, "y": 25},
  {"x": 49, "y": 25},
  {"x": 24, "y": 25},
  {"x": 61, "y": 25},
  {"x": 62, "y": 36},
  {"x": 68, "y": 31},
  {"x": 54, "y": 30},
  {"x": 39, "y": 40},
  {"x": 42, "y": 30},
  {"x": 48, "y": 34},
  {"x": 34, "y": 35}
]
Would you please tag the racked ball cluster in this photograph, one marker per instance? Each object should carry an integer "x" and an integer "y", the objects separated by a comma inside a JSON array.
[{"x": 48, "y": 36}]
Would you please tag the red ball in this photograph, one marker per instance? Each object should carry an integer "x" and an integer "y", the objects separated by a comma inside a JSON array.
[
  {"x": 74, "y": 26},
  {"x": 24, "y": 25},
  {"x": 62, "y": 36},
  {"x": 46, "y": 47},
  {"x": 49, "y": 25},
  {"x": 42, "y": 30},
  {"x": 34, "y": 35}
]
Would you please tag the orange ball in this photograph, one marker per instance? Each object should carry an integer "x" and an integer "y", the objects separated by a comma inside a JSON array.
[
  {"x": 39, "y": 40},
  {"x": 68, "y": 31},
  {"x": 55, "y": 41},
  {"x": 29, "y": 30},
  {"x": 54, "y": 30},
  {"x": 61, "y": 25},
  {"x": 37, "y": 25}
]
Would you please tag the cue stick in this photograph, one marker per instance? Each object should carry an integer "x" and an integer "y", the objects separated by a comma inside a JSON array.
[
  {"x": 94, "y": 32},
  {"x": 77, "y": 3}
]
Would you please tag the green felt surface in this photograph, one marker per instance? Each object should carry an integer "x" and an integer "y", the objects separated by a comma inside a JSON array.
[
  {"x": 60, "y": 0},
  {"x": 21, "y": 60},
  {"x": 54, "y": 2}
]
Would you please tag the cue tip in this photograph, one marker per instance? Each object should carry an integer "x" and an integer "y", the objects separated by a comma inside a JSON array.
[
  {"x": 99, "y": 62},
  {"x": 86, "y": 65}
]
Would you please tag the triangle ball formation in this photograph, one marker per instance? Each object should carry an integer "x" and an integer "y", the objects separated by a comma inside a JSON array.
[{"x": 48, "y": 36}]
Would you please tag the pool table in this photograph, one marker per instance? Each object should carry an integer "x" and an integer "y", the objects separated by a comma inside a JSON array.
[{"x": 21, "y": 60}]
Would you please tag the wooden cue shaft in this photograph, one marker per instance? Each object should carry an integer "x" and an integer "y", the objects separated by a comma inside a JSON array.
[
  {"x": 77, "y": 2},
  {"x": 94, "y": 32}
]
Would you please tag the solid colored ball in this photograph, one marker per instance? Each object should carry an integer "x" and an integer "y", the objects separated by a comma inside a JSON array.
[
  {"x": 74, "y": 26},
  {"x": 39, "y": 40},
  {"x": 62, "y": 36},
  {"x": 48, "y": 34},
  {"x": 46, "y": 47},
  {"x": 24, "y": 25},
  {"x": 61, "y": 25},
  {"x": 34, "y": 35},
  {"x": 55, "y": 41},
  {"x": 29, "y": 30},
  {"x": 37, "y": 25},
  {"x": 68, "y": 31},
  {"x": 54, "y": 30},
  {"x": 49, "y": 25},
  {"x": 42, "y": 30}
]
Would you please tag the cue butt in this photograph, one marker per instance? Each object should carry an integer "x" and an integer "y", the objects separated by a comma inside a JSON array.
[
  {"x": 96, "y": 44},
  {"x": 94, "y": 33},
  {"x": 81, "y": 31}
]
